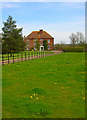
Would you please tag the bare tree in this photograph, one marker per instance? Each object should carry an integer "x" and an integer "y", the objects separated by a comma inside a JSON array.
[
  {"x": 73, "y": 38},
  {"x": 77, "y": 38}
]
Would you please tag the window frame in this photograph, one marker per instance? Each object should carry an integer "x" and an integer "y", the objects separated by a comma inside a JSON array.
[
  {"x": 41, "y": 44},
  {"x": 48, "y": 46},
  {"x": 41, "y": 39},
  {"x": 48, "y": 40},
  {"x": 35, "y": 40},
  {"x": 34, "y": 43}
]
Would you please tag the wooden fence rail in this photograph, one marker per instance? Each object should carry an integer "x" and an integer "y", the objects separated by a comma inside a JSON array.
[{"x": 23, "y": 56}]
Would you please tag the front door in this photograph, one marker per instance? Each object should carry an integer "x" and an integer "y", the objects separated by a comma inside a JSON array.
[{"x": 41, "y": 48}]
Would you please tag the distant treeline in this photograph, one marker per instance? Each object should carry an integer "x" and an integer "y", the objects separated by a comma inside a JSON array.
[
  {"x": 77, "y": 44},
  {"x": 70, "y": 47}
]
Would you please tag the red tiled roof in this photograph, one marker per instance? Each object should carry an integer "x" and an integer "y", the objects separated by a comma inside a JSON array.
[{"x": 39, "y": 34}]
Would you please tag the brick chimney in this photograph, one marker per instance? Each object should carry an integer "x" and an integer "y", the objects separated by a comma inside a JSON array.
[{"x": 41, "y": 31}]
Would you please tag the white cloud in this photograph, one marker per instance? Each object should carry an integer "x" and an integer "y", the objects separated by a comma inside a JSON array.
[{"x": 43, "y": 0}]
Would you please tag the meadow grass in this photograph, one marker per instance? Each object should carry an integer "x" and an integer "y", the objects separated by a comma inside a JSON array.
[{"x": 49, "y": 87}]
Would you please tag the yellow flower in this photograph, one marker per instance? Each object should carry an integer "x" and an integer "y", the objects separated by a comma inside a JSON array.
[
  {"x": 31, "y": 96},
  {"x": 83, "y": 98},
  {"x": 34, "y": 94},
  {"x": 37, "y": 98},
  {"x": 62, "y": 88},
  {"x": 55, "y": 83}
]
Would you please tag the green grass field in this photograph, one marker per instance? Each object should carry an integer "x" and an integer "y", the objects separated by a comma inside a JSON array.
[{"x": 49, "y": 87}]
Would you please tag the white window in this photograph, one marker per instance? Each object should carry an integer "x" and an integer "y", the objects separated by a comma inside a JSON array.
[
  {"x": 41, "y": 39},
  {"x": 41, "y": 44},
  {"x": 34, "y": 43},
  {"x": 48, "y": 47},
  {"x": 48, "y": 41}
]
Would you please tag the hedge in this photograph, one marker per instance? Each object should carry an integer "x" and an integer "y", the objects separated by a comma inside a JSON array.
[{"x": 74, "y": 49}]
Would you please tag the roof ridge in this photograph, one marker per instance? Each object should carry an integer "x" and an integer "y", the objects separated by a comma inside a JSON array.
[{"x": 34, "y": 34}]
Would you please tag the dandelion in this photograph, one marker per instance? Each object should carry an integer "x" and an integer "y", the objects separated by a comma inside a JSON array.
[
  {"x": 31, "y": 96},
  {"x": 62, "y": 88},
  {"x": 54, "y": 83},
  {"x": 34, "y": 94},
  {"x": 83, "y": 98},
  {"x": 36, "y": 98}
]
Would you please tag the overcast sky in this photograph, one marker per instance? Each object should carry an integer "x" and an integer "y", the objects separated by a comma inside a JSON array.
[{"x": 60, "y": 19}]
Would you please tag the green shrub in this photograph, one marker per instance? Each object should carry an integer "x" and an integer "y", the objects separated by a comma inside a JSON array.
[{"x": 73, "y": 49}]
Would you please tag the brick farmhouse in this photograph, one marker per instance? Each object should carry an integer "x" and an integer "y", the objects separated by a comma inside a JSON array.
[{"x": 40, "y": 36}]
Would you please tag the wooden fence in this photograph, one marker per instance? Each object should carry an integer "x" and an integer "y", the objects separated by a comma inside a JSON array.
[{"x": 23, "y": 56}]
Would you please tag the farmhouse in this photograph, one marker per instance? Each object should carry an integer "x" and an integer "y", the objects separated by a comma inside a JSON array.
[{"x": 40, "y": 36}]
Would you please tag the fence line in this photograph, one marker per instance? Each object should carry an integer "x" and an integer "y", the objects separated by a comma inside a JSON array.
[{"x": 16, "y": 57}]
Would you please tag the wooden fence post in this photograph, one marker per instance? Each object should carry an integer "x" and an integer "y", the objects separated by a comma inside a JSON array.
[
  {"x": 18, "y": 57},
  {"x": 43, "y": 53},
  {"x": 13, "y": 57},
  {"x": 25, "y": 56},
  {"x": 32, "y": 54},
  {"x": 8, "y": 58},
  {"x": 22, "y": 57},
  {"x": 37, "y": 54},
  {"x": 28, "y": 55}
]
